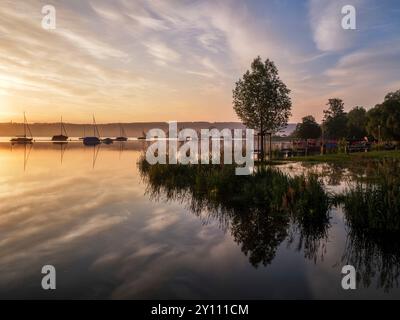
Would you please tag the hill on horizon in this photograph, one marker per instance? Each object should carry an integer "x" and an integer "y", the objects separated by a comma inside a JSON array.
[{"x": 134, "y": 129}]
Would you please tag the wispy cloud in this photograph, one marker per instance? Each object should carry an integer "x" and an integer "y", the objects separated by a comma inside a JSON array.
[
  {"x": 153, "y": 60},
  {"x": 325, "y": 22},
  {"x": 162, "y": 52},
  {"x": 94, "y": 47}
]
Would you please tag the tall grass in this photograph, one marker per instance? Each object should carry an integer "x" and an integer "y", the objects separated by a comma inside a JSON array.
[
  {"x": 258, "y": 208},
  {"x": 372, "y": 212},
  {"x": 374, "y": 204},
  {"x": 263, "y": 209}
]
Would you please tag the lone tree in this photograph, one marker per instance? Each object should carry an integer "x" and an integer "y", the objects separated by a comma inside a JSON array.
[
  {"x": 307, "y": 129},
  {"x": 261, "y": 100}
]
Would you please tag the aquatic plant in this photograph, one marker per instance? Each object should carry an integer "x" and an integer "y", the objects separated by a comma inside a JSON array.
[
  {"x": 266, "y": 208},
  {"x": 258, "y": 209},
  {"x": 372, "y": 213},
  {"x": 374, "y": 204}
]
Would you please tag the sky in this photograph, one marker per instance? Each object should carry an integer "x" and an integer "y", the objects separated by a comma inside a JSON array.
[{"x": 162, "y": 60}]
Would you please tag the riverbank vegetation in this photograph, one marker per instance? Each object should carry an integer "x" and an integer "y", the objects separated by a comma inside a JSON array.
[
  {"x": 380, "y": 123},
  {"x": 264, "y": 209},
  {"x": 347, "y": 157}
]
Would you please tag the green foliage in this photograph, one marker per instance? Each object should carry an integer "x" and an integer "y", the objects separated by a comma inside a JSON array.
[
  {"x": 345, "y": 158},
  {"x": 335, "y": 120},
  {"x": 263, "y": 209},
  {"x": 374, "y": 204},
  {"x": 307, "y": 129},
  {"x": 356, "y": 123},
  {"x": 257, "y": 208},
  {"x": 342, "y": 145},
  {"x": 260, "y": 99},
  {"x": 372, "y": 212},
  {"x": 384, "y": 118}
]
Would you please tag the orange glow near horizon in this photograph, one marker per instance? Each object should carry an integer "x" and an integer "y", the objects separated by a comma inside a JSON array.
[{"x": 158, "y": 61}]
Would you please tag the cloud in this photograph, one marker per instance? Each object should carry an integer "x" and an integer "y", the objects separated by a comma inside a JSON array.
[
  {"x": 94, "y": 47},
  {"x": 151, "y": 23},
  {"x": 210, "y": 41},
  {"x": 103, "y": 56},
  {"x": 162, "y": 52},
  {"x": 326, "y": 24},
  {"x": 364, "y": 76}
]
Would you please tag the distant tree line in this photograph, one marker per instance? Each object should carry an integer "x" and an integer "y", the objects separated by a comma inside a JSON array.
[{"x": 380, "y": 123}]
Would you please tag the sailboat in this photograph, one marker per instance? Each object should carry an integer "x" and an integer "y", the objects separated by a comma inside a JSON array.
[
  {"x": 143, "y": 137},
  {"x": 122, "y": 134},
  {"x": 61, "y": 137},
  {"x": 107, "y": 141},
  {"x": 24, "y": 139},
  {"x": 94, "y": 140}
]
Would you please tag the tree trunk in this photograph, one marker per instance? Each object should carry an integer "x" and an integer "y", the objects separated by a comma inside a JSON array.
[
  {"x": 270, "y": 147},
  {"x": 262, "y": 153}
]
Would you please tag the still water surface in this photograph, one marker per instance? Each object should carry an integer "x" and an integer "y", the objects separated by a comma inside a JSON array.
[{"x": 86, "y": 211}]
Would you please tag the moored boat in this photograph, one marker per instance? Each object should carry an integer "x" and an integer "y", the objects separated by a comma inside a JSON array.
[
  {"x": 24, "y": 139},
  {"x": 107, "y": 141},
  {"x": 63, "y": 136},
  {"x": 143, "y": 137},
  {"x": 93, "y": 140},
  {"x": 122, "y": 134}
]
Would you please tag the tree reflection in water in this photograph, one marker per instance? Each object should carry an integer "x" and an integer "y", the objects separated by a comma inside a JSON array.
[
  {"x": 259, "y": 210},
  {"x": 263, "y": 210},
  {"x": 372, "y": 212}
]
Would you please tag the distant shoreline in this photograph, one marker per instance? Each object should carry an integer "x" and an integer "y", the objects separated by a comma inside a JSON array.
[{"x": 133, "y": 129}]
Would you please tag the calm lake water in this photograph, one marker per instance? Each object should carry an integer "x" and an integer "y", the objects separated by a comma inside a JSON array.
[{"x": 88, "y": 212}]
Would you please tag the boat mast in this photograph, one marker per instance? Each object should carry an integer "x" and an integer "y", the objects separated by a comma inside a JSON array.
[
  {"x": 24, "y": 125},
  {"x": 63, "y": 130},
  {"x": 96, "y": 132},
  {"x": 122, "y": 132}
]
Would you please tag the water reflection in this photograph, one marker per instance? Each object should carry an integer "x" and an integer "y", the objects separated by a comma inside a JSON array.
[
  {"x": 27, "y": 148},
  {"x": 110, "y": 234},
  {"x": 63, "y": 147},
  {"x": 259, "y": 210},
  {"x": 263, "y": 210},
  {"x": 372, "y": 211}
]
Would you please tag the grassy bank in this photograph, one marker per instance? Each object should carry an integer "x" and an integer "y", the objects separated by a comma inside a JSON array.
[{"x": 357, "y": 156}]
